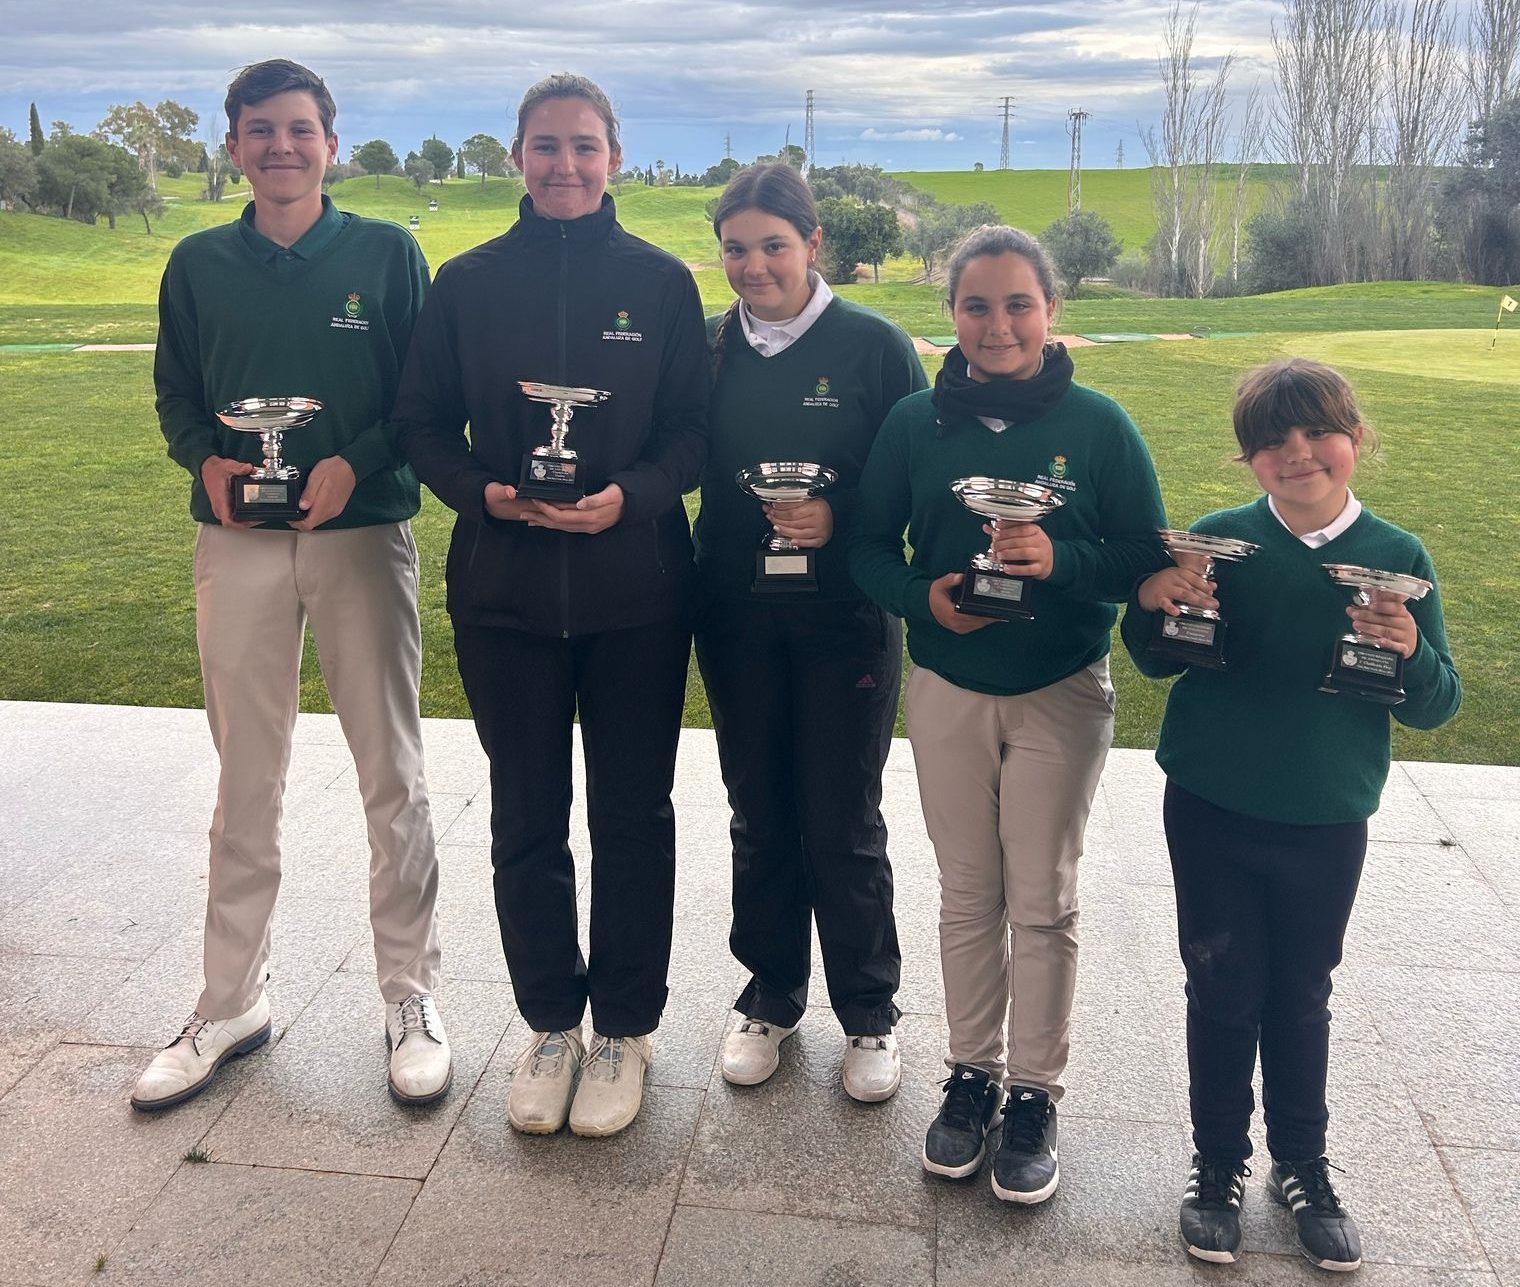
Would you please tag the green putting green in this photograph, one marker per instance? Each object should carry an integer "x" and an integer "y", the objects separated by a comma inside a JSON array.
[{"x": 1435, "y": 355}]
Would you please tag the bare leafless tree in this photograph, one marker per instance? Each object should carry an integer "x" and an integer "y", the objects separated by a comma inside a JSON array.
[
  {"x": 1425, "y": 106},
  {"x": 1327, "y": 64},
  {"x": 1184, "y": 156},
  {"x": 1247, "y": 144},
  {"x": 1493, "y": 55}
]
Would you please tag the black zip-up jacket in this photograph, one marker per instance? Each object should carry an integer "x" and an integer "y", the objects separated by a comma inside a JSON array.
[{"x": 580, "y": 303}]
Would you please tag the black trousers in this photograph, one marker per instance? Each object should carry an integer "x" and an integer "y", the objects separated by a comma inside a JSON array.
[
  {"x": 1262, "y": 909},
  {"x": 629, "y": 687},
  {"x": 803, "y": 699}
]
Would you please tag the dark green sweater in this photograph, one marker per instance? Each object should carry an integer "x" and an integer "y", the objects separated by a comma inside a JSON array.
[
  {"x": 821, "y": 399},
  {"x": 330, "y": 318},
  {"x": 1259, "y": 738},
  {"x": 1104, "y": 536}
]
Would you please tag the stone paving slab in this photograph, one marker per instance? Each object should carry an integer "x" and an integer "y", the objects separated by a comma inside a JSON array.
[
  {"x": 103, "y": 855},
  {"x": 214, "y": 1223}
]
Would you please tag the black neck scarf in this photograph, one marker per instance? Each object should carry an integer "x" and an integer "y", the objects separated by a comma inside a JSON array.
[{"x": 1016, "y": 401}]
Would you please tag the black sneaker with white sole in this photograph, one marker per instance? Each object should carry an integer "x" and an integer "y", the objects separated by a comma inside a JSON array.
[
  {"x": 1210, "y": 1215},
  {"x": 1327, "y": 1234},
  {"x": 957, "y": 1139},
  {"x": 1025, "y": 1169}
]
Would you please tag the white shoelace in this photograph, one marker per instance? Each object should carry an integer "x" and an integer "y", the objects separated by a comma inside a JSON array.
[{"x": 416, "y": 1016}]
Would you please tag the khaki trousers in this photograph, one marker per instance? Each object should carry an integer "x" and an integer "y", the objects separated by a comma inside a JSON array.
[
  {"x": 254, "y": 592},
  {"x": 1007, "y": 784}
]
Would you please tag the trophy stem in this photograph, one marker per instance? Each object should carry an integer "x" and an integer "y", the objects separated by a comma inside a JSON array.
[{"x": 273, "y": 440}]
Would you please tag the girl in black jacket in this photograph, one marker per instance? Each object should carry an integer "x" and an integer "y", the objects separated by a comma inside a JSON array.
[{"x": 561, "y": 607}]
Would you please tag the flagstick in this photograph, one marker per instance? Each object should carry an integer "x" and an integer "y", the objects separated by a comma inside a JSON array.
[{"x": 1497, "y": 320}]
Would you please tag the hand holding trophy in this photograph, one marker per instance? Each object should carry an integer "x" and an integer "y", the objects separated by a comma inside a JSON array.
[
  {"x": 781, "y": 565},
  {"x": 551, "y": 472},
  {"x": 986, "y": 589},
  {"x": 1361, "y": 665},
  {"x": 273, "y": 490},
  {"x": 1196, "y": 635}
]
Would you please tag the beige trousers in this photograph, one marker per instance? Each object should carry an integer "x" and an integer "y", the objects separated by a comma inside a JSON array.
[
  {"x": 254, "y": 592},
  {"x": 1007, "y": 784}
]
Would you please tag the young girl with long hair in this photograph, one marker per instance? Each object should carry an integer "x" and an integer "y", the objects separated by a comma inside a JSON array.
[{"x": 803, "y": 686}]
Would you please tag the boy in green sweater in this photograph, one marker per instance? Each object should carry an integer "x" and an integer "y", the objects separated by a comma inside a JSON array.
[
  {"x": 298, "y": 298},
  {"x": 1270, "y": 782}
]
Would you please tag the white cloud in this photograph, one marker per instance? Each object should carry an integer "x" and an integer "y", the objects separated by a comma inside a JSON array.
[{"x": 911, "y": 136}]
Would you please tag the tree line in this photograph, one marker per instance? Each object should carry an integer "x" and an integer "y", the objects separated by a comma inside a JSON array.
[{"x": 1399, "y": 131}]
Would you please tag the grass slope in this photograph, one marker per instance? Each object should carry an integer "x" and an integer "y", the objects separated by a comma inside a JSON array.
[
  {"x": 99, "y": 605},
  {"x": 1034, "y": 199}
]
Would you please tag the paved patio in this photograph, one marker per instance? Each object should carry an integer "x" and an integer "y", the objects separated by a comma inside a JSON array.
[{"x": 297, "y": 1168}]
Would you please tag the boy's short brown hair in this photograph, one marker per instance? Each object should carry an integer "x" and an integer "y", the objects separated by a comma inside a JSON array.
[
  {"x": 1272, "y": 399},
  {"x": 259, "y": 81}
]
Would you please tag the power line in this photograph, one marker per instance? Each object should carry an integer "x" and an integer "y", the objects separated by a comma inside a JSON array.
[
  {"x": 1007, "y": 116},
  {"x": 1074, "y": 179}
]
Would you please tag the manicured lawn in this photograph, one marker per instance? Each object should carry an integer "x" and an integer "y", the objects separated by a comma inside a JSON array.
[{"x": 98, "y": 605}]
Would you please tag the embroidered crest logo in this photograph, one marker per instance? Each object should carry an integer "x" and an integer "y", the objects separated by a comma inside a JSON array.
[
  {"x": 351, "y": 316},
  {"x": 822, "y": 395},
  {"x": 1058, "y": 467},
  {"x": 622, "y": 329}
]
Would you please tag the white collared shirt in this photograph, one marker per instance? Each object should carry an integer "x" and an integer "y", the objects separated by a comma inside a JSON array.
[
  {"x": 771, "y": 338},
  {"x": 1324, "y": 535}
]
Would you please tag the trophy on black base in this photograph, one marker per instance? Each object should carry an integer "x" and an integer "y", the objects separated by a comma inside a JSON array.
[
  {"x": 986, "y": 590},
  {"x": 781, "y": 565},
  {"x": 1196, "y": 635},
  {"x": 1360, "y": 665},
  {"x": 551, "y": 472},
  {"x": 273, "y": 490}
]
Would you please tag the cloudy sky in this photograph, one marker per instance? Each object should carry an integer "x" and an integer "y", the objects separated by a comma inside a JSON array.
[{"x": 907, "y": 88}]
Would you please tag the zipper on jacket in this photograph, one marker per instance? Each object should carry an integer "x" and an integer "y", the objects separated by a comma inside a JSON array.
[{"x": 564, "y": 362}]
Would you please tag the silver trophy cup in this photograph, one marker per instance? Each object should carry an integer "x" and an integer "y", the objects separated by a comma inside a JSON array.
[
  {"x": 1196, "y": 636},
  {"x": 551, "y": 472},
  {"x": 273, "y": 490},
  {"x": 986, "y": 590},
  {"x": 781, "y": 565},
  {"x": 1361, "y": 666}
]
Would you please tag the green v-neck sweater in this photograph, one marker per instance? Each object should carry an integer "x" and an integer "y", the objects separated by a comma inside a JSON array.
[
  {"x": 1260, "y": 738},
  {"x": 1103, "y": 536},
  {"x": 328, "y": 318},
  {"x": 822, "y": 400}
]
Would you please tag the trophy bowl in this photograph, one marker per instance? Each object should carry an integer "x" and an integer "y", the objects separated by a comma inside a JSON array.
[
  {"x": 986, "y": 590},
  {"x": 273, "y": 490},
  {"x": 782, "y": 564},
  {"x": 1361, "y": 666}
]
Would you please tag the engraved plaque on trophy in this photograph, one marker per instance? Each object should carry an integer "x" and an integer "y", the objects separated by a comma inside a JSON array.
[
  {"x": 552, "y": 472},
  {"x": 986, "y": 590},
  {"x": 1196, "y": 635},
  {"x": 273, "y": 490},
  {"x": 1360, "y": 665},
  {"x": 781, "y": 565}
]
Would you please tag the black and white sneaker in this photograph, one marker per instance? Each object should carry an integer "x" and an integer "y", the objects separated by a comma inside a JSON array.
[
  {"x": 1025, "y": 1168},
  {"x": 1210, "y": 1216},
  {"x": 1327, "y": 1234},
  {"x": 957, "y": 1138}
]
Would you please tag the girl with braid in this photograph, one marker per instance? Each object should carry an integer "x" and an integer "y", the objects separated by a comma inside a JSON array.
[{"x": 803, "y": 686}]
